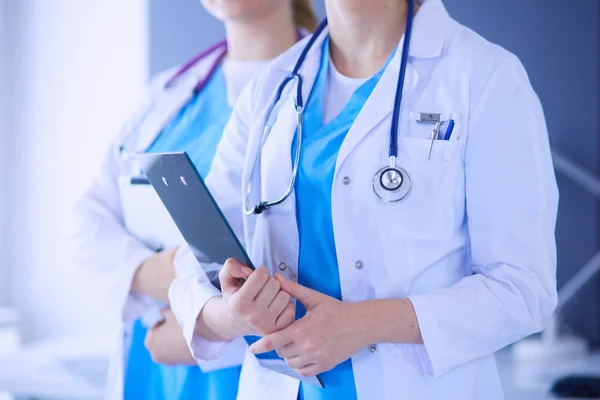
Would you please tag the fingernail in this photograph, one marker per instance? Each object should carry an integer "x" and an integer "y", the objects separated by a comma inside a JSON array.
[
  {"x": 252, "y": 349},
  {"x": 246, "y": 270}
]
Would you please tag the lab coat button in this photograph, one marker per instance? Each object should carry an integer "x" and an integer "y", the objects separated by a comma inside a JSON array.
[
  {"x": 346, "y": 180},
  {"x": 282, "y": 266},
  {"x": 373, "y": 348},
  {"x": 359, "y": 264}
]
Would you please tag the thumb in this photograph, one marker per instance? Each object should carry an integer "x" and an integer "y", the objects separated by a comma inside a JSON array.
[
  {"x": 231, "y": 274},
  {"x": 167, "y": 314},
  {"x": 308, "y": 297},
  {"x": 148, "y": 338}
]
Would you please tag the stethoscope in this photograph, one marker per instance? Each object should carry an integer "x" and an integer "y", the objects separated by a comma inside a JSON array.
[
  {"x": 123, "y": 151},
  {"x": 391, "y": 183}
]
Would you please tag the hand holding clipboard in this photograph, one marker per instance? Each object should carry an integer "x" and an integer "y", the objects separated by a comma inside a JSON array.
[{"x": 209, "y": 235}]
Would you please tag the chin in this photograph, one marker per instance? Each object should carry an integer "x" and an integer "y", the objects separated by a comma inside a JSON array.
[{"x": 231, "y": 10}]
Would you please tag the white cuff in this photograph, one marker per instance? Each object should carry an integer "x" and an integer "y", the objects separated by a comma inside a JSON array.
[
  {"x": 130, "y": 304},
  {"x": 228, "y": 354},
  {"x": 136, "y": 306},
  {"x": 189, "y": 292},
  {"x": 431, "y": 353}
]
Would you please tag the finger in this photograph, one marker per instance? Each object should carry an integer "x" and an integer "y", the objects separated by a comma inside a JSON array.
[
  {"x": 236, "y": 269},
  {"x": 286, "y": 318},
  {"x": 148, "y": 339},
  {"x": 169, "y": 318},
  {"x": 308, "y": 297},
  {"x": 231, "y": 273},
  {"x": 167, "y": 313},
  {"x": 170, "y": 253},
  {"x": 298, "y": 362},
  {"x": 255, "y": 282},
  {"x": 309, "y": 370},
  {"x": 288, "y": 351},
  {"x": 279, "y": 303},
  {"x": 267, "y": 293},
  {"x": 272, "y": 342}
]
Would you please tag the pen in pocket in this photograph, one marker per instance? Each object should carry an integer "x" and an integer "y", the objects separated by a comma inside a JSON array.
[{"x": 449, "y": 130}]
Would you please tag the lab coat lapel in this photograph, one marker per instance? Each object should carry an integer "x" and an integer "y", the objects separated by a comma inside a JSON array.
[
  {"x": 277, "y": 243},
  {"x": 378, "y": 106},
  {"x": 277, "y": 159},
  {"x": 425, "y": 44}
]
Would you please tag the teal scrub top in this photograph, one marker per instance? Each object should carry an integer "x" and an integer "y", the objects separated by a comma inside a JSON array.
[
  {"x": 197, "y": 129},
  {"x": 317, "y": 260}
]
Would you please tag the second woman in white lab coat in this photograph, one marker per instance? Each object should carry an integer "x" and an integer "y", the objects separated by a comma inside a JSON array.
[
  {"x": 186, "y": 110},
  {"x": 396, "y": 300}
]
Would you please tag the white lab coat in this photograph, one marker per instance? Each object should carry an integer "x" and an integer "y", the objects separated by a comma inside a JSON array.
[
  {"x": 103, "y": 246},
  {"x": 472, "y": 245}
]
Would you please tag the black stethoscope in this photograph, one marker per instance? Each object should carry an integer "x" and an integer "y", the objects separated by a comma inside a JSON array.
[{"x": 391, "y": 183}]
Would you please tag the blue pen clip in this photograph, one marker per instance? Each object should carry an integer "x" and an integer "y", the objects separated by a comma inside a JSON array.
[{"x": 449, "y": 130}]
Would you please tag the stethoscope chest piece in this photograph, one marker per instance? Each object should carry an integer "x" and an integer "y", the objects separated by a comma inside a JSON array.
[{"x": 391, "y": 184}]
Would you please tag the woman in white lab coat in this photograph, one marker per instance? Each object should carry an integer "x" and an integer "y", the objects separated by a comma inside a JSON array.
[
  {"x": 406, "y": 299},
  {"x": 186, "y": 110}
]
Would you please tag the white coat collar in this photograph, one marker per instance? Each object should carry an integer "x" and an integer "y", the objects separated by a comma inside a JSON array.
[
  {"x": 429, "y": 34},
  {"x": 430, "y": 30}
]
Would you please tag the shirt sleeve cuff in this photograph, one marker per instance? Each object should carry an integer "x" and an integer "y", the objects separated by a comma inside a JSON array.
[
  {"x": 132, "y": 305},
  {"x": 201, "y": 348},
  {"x": 189, "y": 292},
  {"x": 138, "y": 305},
  {"x": 228, "y": 354},
  {"x": 431, "y": 353}
]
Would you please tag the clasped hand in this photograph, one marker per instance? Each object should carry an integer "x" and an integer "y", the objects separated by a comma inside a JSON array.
[{"x": 327, "y": 335}]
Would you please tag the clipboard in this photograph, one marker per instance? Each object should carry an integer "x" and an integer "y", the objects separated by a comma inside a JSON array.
[{"x": 204, "y": 227}]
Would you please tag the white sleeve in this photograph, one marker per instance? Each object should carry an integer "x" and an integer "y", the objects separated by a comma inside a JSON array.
[
  {"x": 191, "y": 289},
  {"x": 102, "y": 245},
  {"x": 188, "y": 294},
  {"x": 511, "y": 207}
]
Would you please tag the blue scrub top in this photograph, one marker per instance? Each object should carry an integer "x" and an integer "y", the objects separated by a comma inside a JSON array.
[
  {"x": 317, "y": 261},
  {"x": 197, "y": 129}
]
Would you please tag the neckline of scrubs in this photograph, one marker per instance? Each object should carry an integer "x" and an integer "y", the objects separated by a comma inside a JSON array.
[
  {"x": 317, "y": 260},
  {"x": 199, "y": 125}
]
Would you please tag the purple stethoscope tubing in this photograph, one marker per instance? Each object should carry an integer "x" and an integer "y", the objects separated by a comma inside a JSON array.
[{"x": 220, "y": 47}]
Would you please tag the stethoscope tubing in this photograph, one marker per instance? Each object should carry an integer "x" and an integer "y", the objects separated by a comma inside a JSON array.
[{"x": 299, "y": 104}]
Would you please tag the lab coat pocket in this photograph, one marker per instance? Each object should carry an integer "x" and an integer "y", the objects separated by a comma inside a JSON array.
[{"x": 427, "y": 212}]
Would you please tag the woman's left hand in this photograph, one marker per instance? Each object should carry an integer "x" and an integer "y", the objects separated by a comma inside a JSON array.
[{"x": 329, "y": 333}]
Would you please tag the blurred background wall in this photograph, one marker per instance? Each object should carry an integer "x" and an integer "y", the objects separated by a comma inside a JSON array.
[
  {"x": 77, "y": 69},
  {"x": 4, "y": 298},
  {"x": 71, "y": 86}
]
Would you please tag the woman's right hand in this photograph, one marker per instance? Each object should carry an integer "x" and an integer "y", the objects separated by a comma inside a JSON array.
[{"x": 255, "y": 302}]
